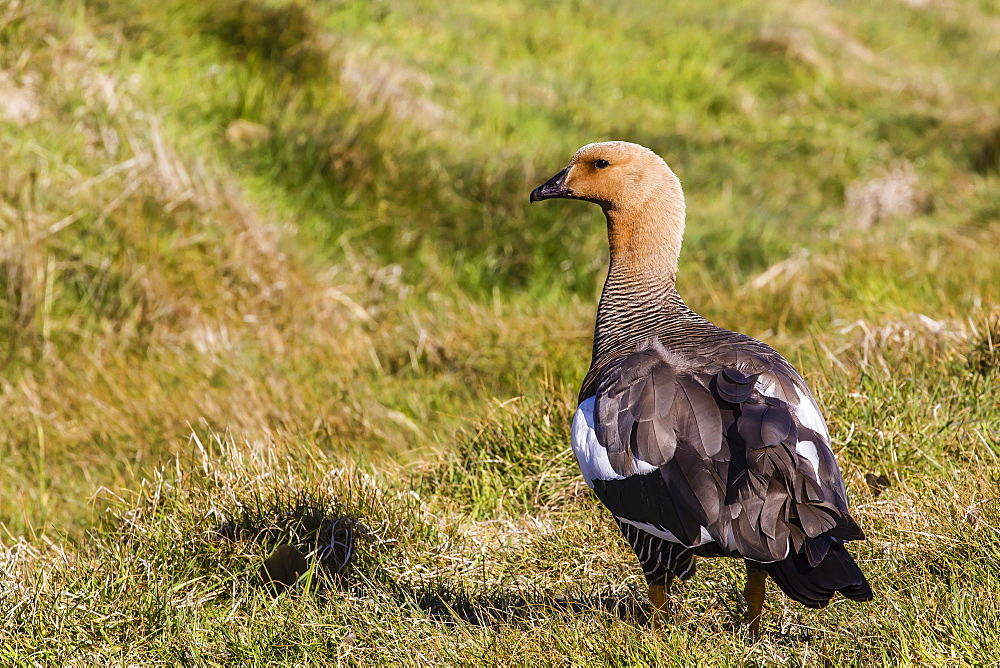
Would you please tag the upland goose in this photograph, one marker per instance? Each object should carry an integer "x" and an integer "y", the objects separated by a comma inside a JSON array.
[{"x": 700, "y": 441}]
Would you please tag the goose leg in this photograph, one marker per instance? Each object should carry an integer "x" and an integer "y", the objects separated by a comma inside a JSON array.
[
  {"x": 659, "y": 599},
  {"x": 754, "y": 592}
]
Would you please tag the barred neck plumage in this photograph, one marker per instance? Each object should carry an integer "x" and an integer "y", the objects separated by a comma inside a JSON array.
[{"x": 630, "y": 311}]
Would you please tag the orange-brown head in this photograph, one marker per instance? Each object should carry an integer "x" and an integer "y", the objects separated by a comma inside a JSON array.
[{"x": 640, "y": 195}]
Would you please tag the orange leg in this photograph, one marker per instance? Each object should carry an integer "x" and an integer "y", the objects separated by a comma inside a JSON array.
[
  {"x": 754, "y": 592},
  {"x": 659, "y": 599}
]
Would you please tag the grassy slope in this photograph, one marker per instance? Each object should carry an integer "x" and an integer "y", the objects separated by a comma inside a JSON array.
[{"x": 332, "y": 304}]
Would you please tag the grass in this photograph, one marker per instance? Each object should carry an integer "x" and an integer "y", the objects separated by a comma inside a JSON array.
[{"x": 267, "y": 271}]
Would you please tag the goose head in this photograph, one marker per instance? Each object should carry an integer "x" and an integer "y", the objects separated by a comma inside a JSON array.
[{"x": 640, "y": 195}]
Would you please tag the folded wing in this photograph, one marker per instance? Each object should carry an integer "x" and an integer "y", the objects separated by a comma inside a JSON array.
[{"x": 740, "y": 450}]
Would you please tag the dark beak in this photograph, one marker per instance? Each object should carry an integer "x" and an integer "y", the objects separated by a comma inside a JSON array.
[{"x": 554, "y": 187}]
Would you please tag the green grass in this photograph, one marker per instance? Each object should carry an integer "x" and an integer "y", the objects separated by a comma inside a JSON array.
[{"x": 268, "y": 268}]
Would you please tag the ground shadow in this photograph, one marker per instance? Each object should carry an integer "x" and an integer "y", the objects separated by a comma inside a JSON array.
[
  {"x": 501, "y": 608},
  {"x": 496, "y": 608}
]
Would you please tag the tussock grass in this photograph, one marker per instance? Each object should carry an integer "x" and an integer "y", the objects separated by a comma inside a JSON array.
[{"x": 268, "y": 277}]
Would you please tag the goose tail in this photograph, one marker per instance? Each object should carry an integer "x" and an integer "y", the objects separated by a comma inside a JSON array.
[{"x": 814, "y": 586}]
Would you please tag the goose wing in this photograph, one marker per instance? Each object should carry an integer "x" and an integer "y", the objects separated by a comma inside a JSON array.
[{"x": 736, "y": 454}]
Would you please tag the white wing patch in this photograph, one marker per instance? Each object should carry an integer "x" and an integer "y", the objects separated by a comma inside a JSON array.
[
  {"x": 727, "y": 541},
  {"x": 808, "y": 414},
  {"x": 591, "y": 456},
  {"x": 665, "y": 534}
]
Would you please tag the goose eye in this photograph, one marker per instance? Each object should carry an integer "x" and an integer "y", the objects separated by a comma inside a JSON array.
[{"x": 601, "y": 164}]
